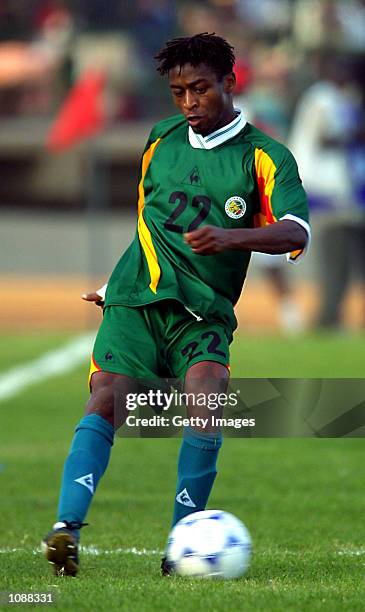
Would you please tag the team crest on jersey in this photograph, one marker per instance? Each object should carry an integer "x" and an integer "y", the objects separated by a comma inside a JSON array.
[{"x": 235, "y": 207}]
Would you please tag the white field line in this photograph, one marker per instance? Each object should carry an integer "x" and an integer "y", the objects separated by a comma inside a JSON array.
[
  {"x": 141, "y": 552},
  {"x": 351, "y": 552},
  {"x": 49, "y": 364},
  {"x": 93, "y": 550}
]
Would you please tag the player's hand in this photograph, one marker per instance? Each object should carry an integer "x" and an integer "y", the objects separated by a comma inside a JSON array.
[
  {"x": 97, "y": 297},
  {"x": 207, "y": 240},
  {"x": 93, "y": 297}
]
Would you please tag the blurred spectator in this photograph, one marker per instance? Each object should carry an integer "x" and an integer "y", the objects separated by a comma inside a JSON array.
[
  {"x": 316, "y": 24},
  {"x": 30, "y": 57},
  {"x": 154, "y": 22},
  {"x": 324, "y": 129},
  {"x": 15, "y": 21},
  {"x": 337, "y": 24},
  {"x": 195, "y": 18},
  {"x": 266, "y": 97},
  {"x": 351, "y": 15},
  {"x": 324, "y": 122},
  {"x": 101, "y": 16},
  {"x": 269, "y": 16}
]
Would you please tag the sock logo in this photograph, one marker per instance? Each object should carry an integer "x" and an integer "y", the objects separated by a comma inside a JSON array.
[
  {"x": 87, "y": 481},
  {"x": 184, "y": 498}
]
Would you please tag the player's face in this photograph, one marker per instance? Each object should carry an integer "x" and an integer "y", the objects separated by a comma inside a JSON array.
[{"x": 204, "y": 100}]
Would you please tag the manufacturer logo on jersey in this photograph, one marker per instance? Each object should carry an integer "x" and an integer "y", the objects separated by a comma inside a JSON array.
[
  {"x": 87, "y": 481},
  {"x": 184, "y": 498},
  {"x": 193, "y": 178},
  {"x": 235, "y": 207}
]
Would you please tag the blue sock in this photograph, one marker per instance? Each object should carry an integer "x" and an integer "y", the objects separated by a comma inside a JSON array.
[
  {"x": 196, "y": 471},
  {"x": 85, "y": 465}
]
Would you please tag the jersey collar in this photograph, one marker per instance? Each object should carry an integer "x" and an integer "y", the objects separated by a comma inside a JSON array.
[{"x": 219, "y": 136}]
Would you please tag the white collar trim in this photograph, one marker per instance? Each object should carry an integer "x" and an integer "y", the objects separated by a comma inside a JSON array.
[{"x": 216, "y": 138}]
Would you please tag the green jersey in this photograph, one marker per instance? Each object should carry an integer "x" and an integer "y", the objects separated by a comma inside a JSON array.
[{"x": 237, "y": 177}]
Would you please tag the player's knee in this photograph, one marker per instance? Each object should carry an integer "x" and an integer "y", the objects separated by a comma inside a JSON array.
[
  {"x": 103, "y": 396},
  {"x": 102, "y": 402},
  {"x": 207, "y": 376},
  {"x": 108, "y": 396}
]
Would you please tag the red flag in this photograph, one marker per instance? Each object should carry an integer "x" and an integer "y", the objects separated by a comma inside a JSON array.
[{"x": 81, "y": 115}]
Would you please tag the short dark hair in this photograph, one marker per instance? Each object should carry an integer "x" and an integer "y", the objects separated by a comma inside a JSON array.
[{"x": 203, "y": 48}]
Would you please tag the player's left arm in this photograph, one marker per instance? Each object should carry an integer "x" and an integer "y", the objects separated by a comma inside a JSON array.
[
  {"x": 281, "y": 221},
  {"x": 282, "y": 237}
]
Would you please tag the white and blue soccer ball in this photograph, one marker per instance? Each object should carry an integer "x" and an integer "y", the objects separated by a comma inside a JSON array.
[{"x": 209, "y": 544}]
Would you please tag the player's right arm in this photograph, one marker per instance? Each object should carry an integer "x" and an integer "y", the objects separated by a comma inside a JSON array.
[
  {"x": 98, "y": 296},
  {"x": 158, "y": 132}
]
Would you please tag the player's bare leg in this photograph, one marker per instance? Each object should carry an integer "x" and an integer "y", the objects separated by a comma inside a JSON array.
[
  {"x": 206, "y": 377},
  {"x": 107, "y": 397},
  {"x": 201, "y": 442},
  {"x": 85, "y": 465}
]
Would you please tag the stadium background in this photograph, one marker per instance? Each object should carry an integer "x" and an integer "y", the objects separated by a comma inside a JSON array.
[{"x": 67, "y": 206}]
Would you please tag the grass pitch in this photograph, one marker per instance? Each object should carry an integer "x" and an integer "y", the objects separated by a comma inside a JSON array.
[{"x": 302, "y": 500}]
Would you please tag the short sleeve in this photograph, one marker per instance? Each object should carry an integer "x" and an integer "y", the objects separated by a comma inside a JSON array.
[{"x": 281, "y": 193}]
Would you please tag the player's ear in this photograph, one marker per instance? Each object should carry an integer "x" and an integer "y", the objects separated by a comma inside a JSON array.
[{"x": 229, "y": 82}]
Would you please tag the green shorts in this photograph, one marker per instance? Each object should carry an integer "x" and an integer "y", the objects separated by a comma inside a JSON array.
[{"x": 158, "y": 340}]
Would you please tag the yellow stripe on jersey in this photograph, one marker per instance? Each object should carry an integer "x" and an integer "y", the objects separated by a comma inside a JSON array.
[
  {"x": 144, "y": 233},
  {"x": 146, "y": 159},
  {"x": 150, "y": 253},
  {"x": 265, "y": 172}
]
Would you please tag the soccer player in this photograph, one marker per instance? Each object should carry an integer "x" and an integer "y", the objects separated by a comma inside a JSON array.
[{"x": 212, "y": 189}]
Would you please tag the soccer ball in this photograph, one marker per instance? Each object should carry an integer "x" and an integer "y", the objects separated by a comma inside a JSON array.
[{"x": 211, "y": 543}]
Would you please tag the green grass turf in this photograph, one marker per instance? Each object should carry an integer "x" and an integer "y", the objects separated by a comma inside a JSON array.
[
  {"x": 302, "y": 500},
  {"x": 325, "y": 355},
  {"x": 16, "y": 349}
]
